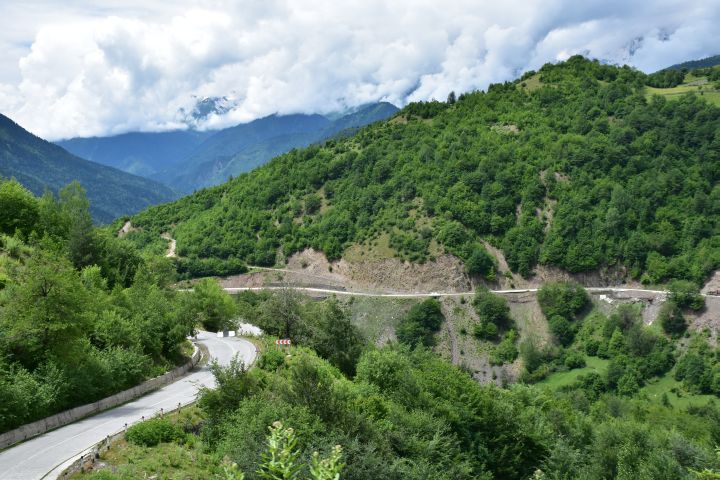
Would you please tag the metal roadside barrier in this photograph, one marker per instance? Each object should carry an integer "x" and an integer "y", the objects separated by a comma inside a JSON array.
[
  {"x": 85, "y": 460},
  {"x": 61, "y": 419}
]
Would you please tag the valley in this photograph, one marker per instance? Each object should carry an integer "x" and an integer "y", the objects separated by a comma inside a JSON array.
[
  {"x": 188, "y": 160},
  {"x": 521, "y": 282}
]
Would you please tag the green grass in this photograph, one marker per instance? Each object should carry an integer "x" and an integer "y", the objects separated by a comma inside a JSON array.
[
  {"x": 706, "y": 91},
  {"x": 668, "y": 385},
  {"x": 533, "y": 83},
  {"x": 561, "y": 379},
  {"x": 376, "y": 249},
  {"x": 166, "y": 460},
  {"x": 375, "y": 316}
]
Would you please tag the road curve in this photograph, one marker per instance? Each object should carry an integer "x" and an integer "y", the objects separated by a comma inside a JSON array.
[
  {"x": 439, "y": 294},
  {"x": 47, "y": 455}
]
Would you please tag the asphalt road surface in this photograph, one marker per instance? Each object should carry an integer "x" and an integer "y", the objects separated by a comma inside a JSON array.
[{"x": 47, "y": 455}]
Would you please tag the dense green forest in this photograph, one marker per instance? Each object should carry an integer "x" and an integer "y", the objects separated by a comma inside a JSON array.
[
  {"x": 693, "y": 64},
  {"x": 399, "y": 412},
  {"x": 82, "y": 314},
  {"x": 39, "y": 165},
  {"x": 571, "y": 166}
]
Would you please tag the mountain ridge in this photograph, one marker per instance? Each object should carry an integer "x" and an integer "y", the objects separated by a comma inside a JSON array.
[
  {"x": 699, "y": 63},
  {"x": 39, "y": 164},
  {"x": 187, "y": 160}
]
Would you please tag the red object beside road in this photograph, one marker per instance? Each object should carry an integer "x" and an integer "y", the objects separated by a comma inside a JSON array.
[{"x": 282, "y": 342}]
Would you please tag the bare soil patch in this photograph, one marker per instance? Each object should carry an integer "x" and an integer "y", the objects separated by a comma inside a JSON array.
[
  {"x": 126, "y": 228},
  {"x": 172, "y": 245}
]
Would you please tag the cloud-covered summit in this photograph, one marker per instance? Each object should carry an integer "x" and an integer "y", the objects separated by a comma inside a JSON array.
[{"x": 78, "y": 70}]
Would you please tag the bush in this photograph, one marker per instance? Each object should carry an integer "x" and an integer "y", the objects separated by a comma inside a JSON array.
[
  {"x": 591, "y": 346},
  {"x": 506, "y": 351},
  {"x": 562, "y": 330},
  {"x": 485, "y": 331},
  {"x": 210, "y": 305},
  {"x": 206, "y": 267},
  {"x": 693, "y": 370},
  {"x": 271, "y": 359},
  {"x": 492, "y": 308},
  {"x": 312, "y": 204},
  {"x": 480, "y": 262},
  {"x": 420, "y": 324},
  {"x": 565, "y": 299},
  {"x": 152, "y": 432},
  {"x": 574, "y": 359},
  {"x": 671, "y": 319},
  {"x": 531, "y": 355},
  {"x": 686, "y": 295}
]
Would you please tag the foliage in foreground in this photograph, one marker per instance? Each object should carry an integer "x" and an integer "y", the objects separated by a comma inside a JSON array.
[
  {"x": 408, "y": 414},
  {"x": 83, "y": 314}
]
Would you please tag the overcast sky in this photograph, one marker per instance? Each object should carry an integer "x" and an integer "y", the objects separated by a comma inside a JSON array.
[{"x": 73, "y": 68}]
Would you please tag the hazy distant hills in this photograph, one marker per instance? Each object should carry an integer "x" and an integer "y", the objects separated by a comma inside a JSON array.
[
  {"x": 138, "y": 153},
  {"x": 188, "y": 160},
  {"x": 41, "y": 165}
]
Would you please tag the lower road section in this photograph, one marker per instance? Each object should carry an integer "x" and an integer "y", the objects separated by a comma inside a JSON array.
[{"x": 44, "y": 456}]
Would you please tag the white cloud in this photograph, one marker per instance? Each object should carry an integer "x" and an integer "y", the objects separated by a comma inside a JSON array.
[{"x": 78, "y": 70}]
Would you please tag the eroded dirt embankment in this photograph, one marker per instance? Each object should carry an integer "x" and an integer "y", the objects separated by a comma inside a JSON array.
[
  {"x": 377, "y": 316},
  {"x": 445, "y": 273}
]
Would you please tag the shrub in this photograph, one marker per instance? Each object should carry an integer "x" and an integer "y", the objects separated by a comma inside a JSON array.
[
  {"x": 194, "y": 267},
  {"x": 312, "y": 203},
  {"x": 421, "y": 322},
  {"x": 563, "y": 298},
  {"x": 562, "y": 330},
  {"x": 686, "y": 295},
  {"x": 574, "y": 359},
  {"x": 693, "y": 370},
  {"x": 506, "y": 351},
  {"x": 531, "y": 354},
  {"x": 271, "y": 359},
  {"x": 480, "y": 262},
  {"x": 152, "y": 432},
  {"x": 671, "y": 319},
  {"x": 492, "y": 308},
  {"x": 591, "y": 346},
  {"x": 485, "y": 331}
]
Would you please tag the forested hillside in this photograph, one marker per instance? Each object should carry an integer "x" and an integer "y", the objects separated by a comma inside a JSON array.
[
  {"x": 572, "y": 166},
  {"x": 402, "y": 412},
  {"x": 40, "y": 165},
  {"x": 702, "y": 63},
  {"x": 82, "y": 314}
]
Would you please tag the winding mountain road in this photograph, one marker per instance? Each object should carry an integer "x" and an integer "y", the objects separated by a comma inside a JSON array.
[{"x": 46, "y": 456}]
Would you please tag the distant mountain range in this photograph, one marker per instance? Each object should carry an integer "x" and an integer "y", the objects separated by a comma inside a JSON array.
[
  {"x": 41, "y": 165},
  {"x": 139, "y": 153},
  {"x": 702, "y": 63},
  {"x": 188, "y": 160}
]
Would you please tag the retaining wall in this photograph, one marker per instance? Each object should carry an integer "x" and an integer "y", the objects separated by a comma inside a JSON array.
[{"x": 39, "y": 427}]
